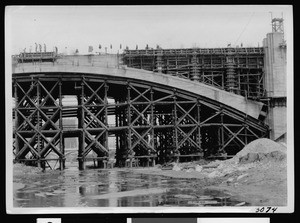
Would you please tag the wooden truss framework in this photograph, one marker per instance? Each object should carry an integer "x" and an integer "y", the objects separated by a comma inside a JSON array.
[
  {"x": 38, "y": 131},
  {"x": 150, "y": 121},
  {"x": 209, "y": 66}
]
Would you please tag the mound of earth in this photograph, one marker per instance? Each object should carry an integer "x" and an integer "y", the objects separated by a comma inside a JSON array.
[
  {"x": 262, "y": 145},
  {"x": 261, "y": 150}
]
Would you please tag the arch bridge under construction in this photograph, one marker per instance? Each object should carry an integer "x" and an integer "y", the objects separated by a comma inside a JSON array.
[{"x": 158, "y": 105}]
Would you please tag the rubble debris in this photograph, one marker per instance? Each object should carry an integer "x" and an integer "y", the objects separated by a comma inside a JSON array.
[
  {"x": 167, "y": 166},
  {"x": 176, "y": 167},
  {"x": 241, "y": 204},
  {"x": 198, "y": 168},
  {"x": 241, "y": 176}
]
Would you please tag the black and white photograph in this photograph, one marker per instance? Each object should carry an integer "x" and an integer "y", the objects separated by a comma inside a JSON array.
[{"x": 149, "y": 109}]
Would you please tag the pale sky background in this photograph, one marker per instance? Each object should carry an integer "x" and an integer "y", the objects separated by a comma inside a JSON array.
[
  {"x": 233, "y": 220},
  {"x": 77, "y": 27}
]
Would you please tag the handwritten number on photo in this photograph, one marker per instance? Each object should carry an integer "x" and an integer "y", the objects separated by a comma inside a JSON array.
[{"x": 266, "y": 210}]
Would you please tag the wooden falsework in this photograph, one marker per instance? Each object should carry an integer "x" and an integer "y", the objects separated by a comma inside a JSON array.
[
  {"x": 158, "y": 124},
  {"x": 238, "y": 70},
  {"x": 36, "y": 98}
]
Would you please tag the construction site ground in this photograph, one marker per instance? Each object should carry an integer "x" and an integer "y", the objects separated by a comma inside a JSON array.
[{"x": 256, "y": 176}]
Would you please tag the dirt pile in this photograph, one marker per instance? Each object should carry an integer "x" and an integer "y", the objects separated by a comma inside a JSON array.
[
  {"x": 257, "y": 173},
  {"x": 261, "y": 150},
  {"x": 259, "y": 154}
]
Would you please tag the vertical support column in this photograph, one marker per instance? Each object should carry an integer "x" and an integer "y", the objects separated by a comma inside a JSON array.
[
  {"x": 239, "y": 82},
  {"x": 275, "y": 62},
  {"x": 82, "y": 126},
  {"x": 106, "y": 120},
  {"x": 159, "y": 62},
  {"x": 118, "y": 136},
  {"x": 230, "y": 73},
  {"x": 38, "y": 89},
  {"x": 202, "y": 70},
  {"x": 175, "y": 122},
  {"x": 222, "y": 130},
  {"x": 176, "y": 65},
  {"x": 61, "y": 144},
  {"x": 199, "y": 126},
  {"x": 79, "y": 110},
  {"x": 17, "y": 143},
  {"x": 106, "y": 113},
  {"x": 152, "y": 124},
  {"x": 248, "y": 85},
  {"x": 195, "y": 69},
  {"x": 246, "y": 135},
  {"x": 129, "y": 123}
]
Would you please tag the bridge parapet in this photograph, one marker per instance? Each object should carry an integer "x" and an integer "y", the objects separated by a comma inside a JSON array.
[{"x": 109, "y": 60}]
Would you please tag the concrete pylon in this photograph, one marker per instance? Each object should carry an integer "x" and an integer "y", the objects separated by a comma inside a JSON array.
[{"x": 275, "y": 83}]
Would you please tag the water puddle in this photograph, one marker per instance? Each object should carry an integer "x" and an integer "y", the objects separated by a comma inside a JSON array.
[{"x": 112, "y": 188}]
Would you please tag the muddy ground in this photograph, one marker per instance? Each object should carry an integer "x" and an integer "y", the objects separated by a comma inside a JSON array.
[
  {"x": 259, "y": 184},
  {"x": 257, "y": 175}
]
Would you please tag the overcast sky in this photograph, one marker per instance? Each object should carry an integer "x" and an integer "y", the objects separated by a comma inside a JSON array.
[{"x": 77, "y": 27}]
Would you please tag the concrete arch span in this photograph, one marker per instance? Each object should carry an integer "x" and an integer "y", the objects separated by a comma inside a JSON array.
[
  {"x": 249, "y": 107},
  {"x": 152, "y": 121}
]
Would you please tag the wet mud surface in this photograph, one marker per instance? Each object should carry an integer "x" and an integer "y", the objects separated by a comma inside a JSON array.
[
  {"x": 256, "y": 176},
  {"x": 112, "y": 188}
]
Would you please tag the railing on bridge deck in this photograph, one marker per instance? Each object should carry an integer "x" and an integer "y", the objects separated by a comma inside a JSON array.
[{"x": 109, "y": 60}]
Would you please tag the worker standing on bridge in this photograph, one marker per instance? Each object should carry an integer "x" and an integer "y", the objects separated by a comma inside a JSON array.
[{"x": 100, "y": 48}]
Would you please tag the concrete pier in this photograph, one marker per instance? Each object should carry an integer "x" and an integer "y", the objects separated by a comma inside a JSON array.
[{"x": 275, "y": 83}]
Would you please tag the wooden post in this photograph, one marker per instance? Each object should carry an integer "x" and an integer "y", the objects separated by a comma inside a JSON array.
[
  {"x": 198, "y": 124},
  {"x": 117, "y": 117},
  {"x": 246, "y": 134},
  {"x": 17, "y": 142},
  {"x": 82, "y": 126},
  {"x": 61, "y": 144},
  {"x": 38, "y": 126},
  {"x": 106, "y": 118},
  {"x": 239, "y": 81},
  {"x": 152, "y": 136},
  {"x": 175, "y": 123},
  {"x": 129, "y": 123},
  {"x": 222, "y": 129}
]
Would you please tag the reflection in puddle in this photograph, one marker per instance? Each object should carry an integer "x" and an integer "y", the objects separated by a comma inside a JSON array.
[{"x": 112, "y": 188}]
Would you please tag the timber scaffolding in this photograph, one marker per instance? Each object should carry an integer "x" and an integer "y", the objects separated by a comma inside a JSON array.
[
  {"x": 238, "y": 70},
  {"x": 153, "y": 122}
]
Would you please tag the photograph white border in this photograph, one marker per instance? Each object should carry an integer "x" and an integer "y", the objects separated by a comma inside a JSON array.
[{"x": 74, "y": 210}]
